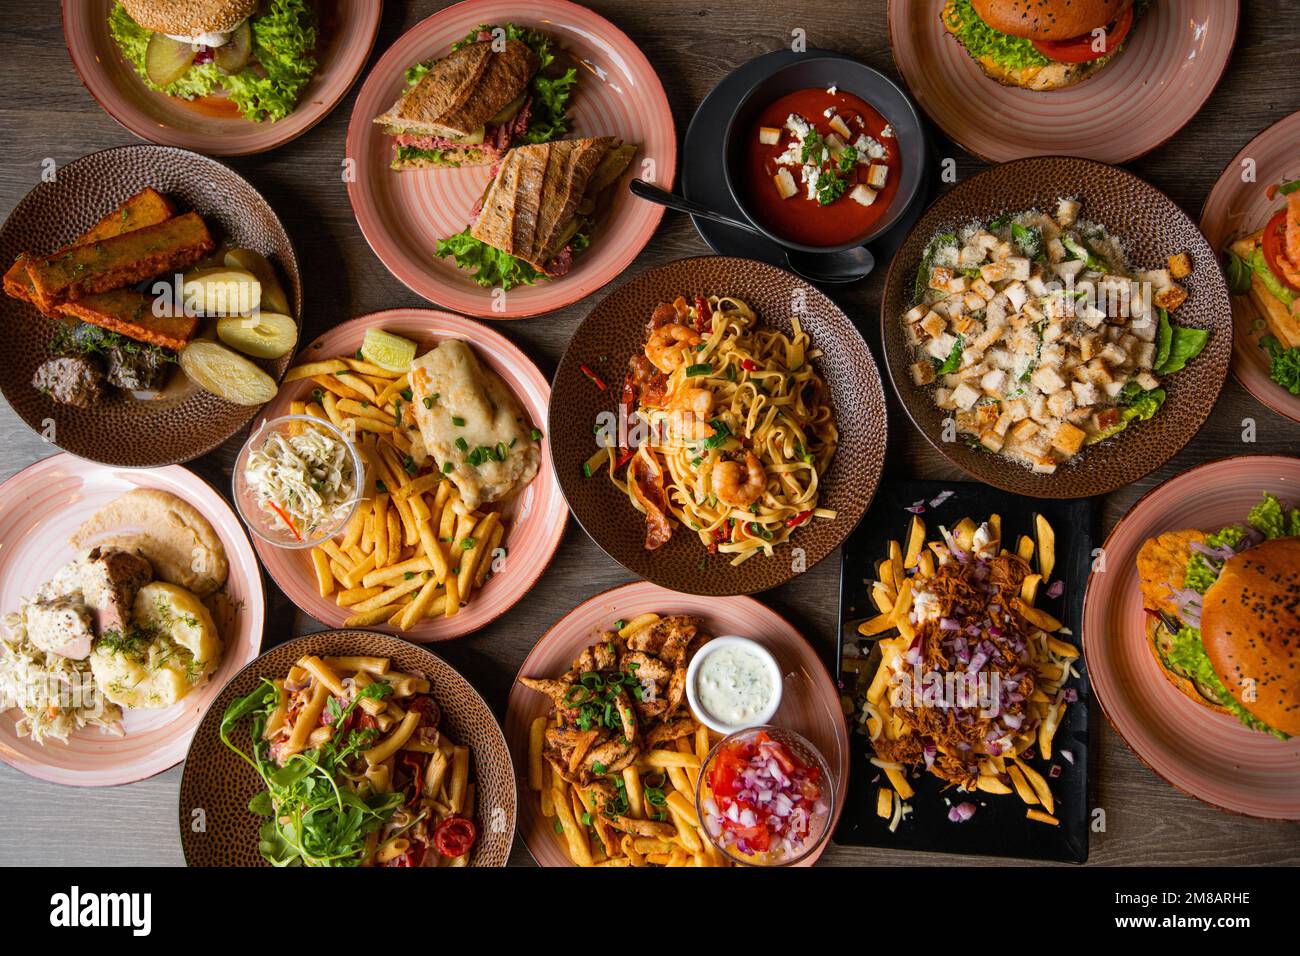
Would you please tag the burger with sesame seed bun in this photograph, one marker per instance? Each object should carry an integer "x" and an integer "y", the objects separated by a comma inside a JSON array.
[
  {"x": 260, "y": 54},
  {"x": 1041, "y": 44},
  {"x": 1224, "y": 615}
]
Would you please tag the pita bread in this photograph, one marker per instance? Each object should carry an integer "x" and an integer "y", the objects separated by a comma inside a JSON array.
[
  {"x": 176, "y": 539},
  {"x": 463, "y": 90}
]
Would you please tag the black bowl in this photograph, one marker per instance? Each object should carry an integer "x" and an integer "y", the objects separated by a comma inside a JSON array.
[{"x": 822, "y": 69}]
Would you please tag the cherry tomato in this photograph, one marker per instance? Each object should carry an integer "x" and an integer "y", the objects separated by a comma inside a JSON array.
[
  {"x": 1079, "y": 49},
  {"x": 454, "y": 836}
]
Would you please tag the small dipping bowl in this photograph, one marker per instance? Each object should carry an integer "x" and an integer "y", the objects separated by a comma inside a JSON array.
[
  {"x": 823, "y": 70},
  {"x": 819, "y": 823},
  {"x": 695, "y": 693},
  {"x": 263, "y": 522}
]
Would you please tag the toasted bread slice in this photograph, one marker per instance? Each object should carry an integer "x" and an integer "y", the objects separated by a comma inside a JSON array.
[
  {"x": 129, "y": 313},
  {"x": 1284, "y": 324},
  {"x": 148, "y": 207},
  {"x": 536, "y": 195},
  {"x": 120, "y": 261},
  {"x": 463, "y": 90}
]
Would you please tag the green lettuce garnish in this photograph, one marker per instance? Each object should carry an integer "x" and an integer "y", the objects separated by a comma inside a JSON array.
[
  {"x": 551, "y": 94},
  {"x": 1176, "y": 345},
  {"x": 980, "y": 39},
  {"x": 1135, "y": 404},
  {"x": 284, "y": 40},
  {"x": 489, "y": 265},
  {"x": 1188, "y": 653},
  {"x": 1284, "y": 364},
  {"x": 492, "y": 267}
]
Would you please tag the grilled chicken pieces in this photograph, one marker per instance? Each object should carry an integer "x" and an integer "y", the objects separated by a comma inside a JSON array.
[
  {"x": 92, "y": 595},
  {"x": 621, "y": 697}
]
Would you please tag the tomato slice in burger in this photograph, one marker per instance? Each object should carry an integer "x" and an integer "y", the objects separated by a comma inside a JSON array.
[
  {"x": 1272, "y": 241},
  {"x": 454, "y": 836},
  {"x": 1080, "y": 49}
]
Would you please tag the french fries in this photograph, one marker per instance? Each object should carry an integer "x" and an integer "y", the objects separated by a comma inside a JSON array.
[
  {"x": 912, "y": 592},
  {"x": 413, "y": 550}
]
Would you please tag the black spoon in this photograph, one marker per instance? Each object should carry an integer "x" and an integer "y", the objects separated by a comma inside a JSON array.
[{"x": 830, "y": 268}]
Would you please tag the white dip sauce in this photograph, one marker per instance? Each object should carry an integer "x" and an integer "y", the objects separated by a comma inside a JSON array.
[{"x": 734, "y": 684}]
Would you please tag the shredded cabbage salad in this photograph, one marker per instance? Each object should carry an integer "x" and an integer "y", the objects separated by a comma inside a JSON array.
[
  {"x": 305, "y": 482},
  {"x": 56, "y": 695}
]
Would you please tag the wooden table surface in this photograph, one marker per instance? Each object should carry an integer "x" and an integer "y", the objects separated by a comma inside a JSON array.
[{"x": 46, "y": 113}]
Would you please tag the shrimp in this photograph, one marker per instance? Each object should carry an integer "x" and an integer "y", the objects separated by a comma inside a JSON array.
[
  {"x": 739, "y": 484},
  {"x": 668, "y": 345},
  {"x": 690, "y": 410}
]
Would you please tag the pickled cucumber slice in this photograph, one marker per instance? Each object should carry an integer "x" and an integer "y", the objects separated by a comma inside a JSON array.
[
  {"x": 273, "y": 295},
  {"x": 226, "y": 374},
  {"x": 267, "y": 335},
  {"x": 166, "y": 60},
  {"x": 388, "y": 351},
  {"x": 233, "y": 55}
]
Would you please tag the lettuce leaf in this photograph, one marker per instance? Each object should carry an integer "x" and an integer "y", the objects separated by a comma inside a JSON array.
[
  {"x": 489, "y": 265},
  {"x": 284, "y": 38},
  {"x": 1176, "y": 345},
  {"x": 980, "y": 39},
  {"x": 1189, "y": 654}
]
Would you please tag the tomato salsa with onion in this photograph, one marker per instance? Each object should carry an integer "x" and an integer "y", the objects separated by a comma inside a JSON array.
[
  {"x": 762, "y": 803},
  {"x": 846, "y": 199}
]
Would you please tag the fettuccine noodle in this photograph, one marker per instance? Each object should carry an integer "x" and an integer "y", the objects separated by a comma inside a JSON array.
[{"x": 730, "y": 387}]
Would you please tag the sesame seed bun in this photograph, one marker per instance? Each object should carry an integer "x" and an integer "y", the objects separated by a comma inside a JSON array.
[
  {"x": 1048, "y": 19},
  {"x": 189, "y": 17},
  {"x": 1250, "y": 626}
]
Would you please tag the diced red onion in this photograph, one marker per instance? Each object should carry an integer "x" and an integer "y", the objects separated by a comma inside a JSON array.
[{"x": 1056, "y": 589}]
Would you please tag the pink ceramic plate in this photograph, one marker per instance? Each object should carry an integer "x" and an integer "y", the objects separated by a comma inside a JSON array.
[
  {"x": 1211, "y": 756},
  {"x": 1235, "y": 208},
  {"x": 1170, "y": 63},
  {"x": 39, "y": 508},
  {"x": 810, "y": 704},
  {"x": 213, "y": 125},
  {"x": 404, "y": 214},
  {"x": 534, "y": 520}
]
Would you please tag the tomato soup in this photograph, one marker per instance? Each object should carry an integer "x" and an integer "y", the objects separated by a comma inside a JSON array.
[{"x": 821, "y": 167}]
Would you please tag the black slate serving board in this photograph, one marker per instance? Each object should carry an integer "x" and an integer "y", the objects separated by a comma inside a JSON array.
[{"x": 999, "y": 826}]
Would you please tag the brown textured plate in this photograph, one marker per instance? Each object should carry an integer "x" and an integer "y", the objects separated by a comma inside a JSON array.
[
  {"x": 184, "y": 422},
  {"x": 211, "y": 124},
  {"x": 219, "y": 783},
  {"x": 1152, "y": 227},
  {"x": 615, "y": 330}
]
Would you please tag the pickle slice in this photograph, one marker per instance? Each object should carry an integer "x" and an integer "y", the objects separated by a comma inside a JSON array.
[
  {"x": 166, "y": 60},
  {"x": 388, "y": 351}
]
